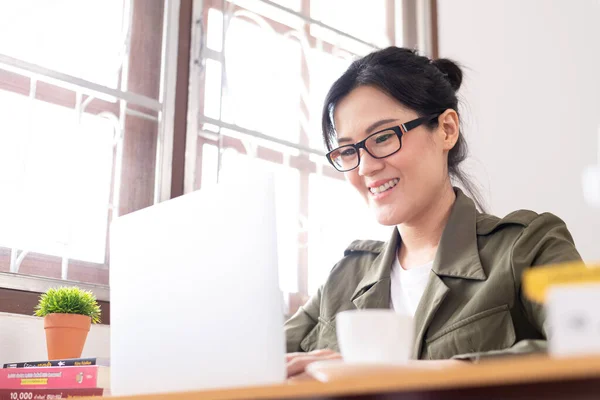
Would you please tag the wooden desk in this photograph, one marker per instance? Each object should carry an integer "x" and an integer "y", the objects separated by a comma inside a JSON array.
[{"x": 516, "y": 378}]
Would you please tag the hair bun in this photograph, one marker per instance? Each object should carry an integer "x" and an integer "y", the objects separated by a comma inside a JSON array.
[{"x": 451, "y": 70}]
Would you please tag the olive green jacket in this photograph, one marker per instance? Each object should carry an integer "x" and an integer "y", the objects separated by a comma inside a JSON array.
[{"x": 473, "y": 305}]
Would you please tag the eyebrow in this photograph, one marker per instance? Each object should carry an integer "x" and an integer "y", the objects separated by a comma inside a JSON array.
[{"x": 371, "y": 127}]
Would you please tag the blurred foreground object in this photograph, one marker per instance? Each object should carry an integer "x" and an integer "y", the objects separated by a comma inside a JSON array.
[{"x": 571, "y": 294}]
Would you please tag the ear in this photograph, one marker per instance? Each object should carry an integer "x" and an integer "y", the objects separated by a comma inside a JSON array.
[{"x": 449, "y": 128}]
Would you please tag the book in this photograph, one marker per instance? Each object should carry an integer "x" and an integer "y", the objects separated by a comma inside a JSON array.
[
  {"x": 88, "y": 377},
  {"x": 67, "y": 362},
  {"x": 50, "y": 394}
]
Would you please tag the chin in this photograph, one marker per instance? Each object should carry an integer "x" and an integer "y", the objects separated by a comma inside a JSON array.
[{"x": 388, "y": 218}]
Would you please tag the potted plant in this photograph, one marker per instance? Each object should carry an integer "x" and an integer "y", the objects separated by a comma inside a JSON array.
[{"x": 68, "y": 314}]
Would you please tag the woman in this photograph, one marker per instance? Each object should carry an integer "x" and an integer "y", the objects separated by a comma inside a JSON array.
[{"x": 391, "y": 125}]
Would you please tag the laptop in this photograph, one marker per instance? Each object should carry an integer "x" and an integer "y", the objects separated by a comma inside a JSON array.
[{"x": 195, "y": 299}]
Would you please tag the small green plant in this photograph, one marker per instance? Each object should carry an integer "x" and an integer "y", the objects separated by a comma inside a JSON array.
[{"x": 69, "y": 300}]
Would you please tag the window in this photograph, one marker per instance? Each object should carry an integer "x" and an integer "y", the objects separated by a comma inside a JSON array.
[
  {"x": 82, "y": 39},
  {"x": 262, "y": 74},
  {"x": 55, "y": 174},
  {"x": 81, "y": 109}
]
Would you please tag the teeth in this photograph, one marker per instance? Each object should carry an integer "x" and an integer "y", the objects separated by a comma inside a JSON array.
[{"x": 385, "y": 186}]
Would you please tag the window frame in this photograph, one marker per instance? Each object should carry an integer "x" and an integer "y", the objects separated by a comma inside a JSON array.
[
  {"x": 182, "y": 139},
  {"x": 407, "y": 9},
  {"x": 147, "y": 173}
]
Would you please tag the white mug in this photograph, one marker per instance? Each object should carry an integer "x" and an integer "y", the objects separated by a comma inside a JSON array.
[{"x": 374, "y": 336}]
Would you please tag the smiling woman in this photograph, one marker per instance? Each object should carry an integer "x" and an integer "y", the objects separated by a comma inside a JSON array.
[
  {"x": 418, "y": 166},
  {"x": 391, "y": 125}
]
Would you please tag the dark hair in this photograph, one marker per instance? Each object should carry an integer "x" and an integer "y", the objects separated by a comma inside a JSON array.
[{"x": 423, "y": 85}]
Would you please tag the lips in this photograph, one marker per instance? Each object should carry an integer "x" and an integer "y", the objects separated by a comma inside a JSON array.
[{"x": 382, "y": 186}]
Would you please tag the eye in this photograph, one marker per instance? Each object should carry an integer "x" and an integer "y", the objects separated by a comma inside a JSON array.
[
  {"x": 383, "y": 137},
  {"x": 349, "y": 152}
]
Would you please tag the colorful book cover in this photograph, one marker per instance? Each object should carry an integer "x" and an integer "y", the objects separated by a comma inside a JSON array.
[
  {"x": 50, "y": 394},
  {"x": 55, "y": 377},
  {"x": 67, "y": 362}
]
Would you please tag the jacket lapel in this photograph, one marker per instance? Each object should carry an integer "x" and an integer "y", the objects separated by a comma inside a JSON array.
[
  {"x": 457, "y": 256},
  {"x": 435, "y": 292},
  {"x": 373, "y": 291}
]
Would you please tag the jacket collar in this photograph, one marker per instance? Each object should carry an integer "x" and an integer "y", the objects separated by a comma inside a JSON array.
[
  {"x": 457, "y": 257},
  {"x": 373, "y": 291},
  {"x": 457, "y": 254}
]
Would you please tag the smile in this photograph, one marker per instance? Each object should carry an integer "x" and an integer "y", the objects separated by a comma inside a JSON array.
[{"x": 386, "y": 186}]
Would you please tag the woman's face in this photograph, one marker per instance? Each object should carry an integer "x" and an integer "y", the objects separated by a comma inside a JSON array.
[{"x": 419, "y": 169}]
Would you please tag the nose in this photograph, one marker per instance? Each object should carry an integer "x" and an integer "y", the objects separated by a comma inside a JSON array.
[{"x": 368, "y": 164}]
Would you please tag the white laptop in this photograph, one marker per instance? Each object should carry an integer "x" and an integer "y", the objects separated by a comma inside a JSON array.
[{"x": 195, "y": 299}]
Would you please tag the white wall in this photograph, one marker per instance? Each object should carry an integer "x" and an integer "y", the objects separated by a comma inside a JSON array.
[
  {"x": 22, "y": 338},
  {"x": 531, "y": 103}
]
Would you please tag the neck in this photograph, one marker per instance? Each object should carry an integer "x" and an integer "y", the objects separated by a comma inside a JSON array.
[{"x": 421, "y": 236}]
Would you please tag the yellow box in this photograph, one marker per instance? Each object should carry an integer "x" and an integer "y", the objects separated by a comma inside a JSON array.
[{"x": 537, "y": 280}]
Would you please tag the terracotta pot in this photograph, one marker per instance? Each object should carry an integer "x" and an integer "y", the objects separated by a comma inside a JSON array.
[{"x": 66, "y": 335}]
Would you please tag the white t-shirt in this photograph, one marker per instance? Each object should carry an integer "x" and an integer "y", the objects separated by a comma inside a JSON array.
[{"x": 407, "y": 287}]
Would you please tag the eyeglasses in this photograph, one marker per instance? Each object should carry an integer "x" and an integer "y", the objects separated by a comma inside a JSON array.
[{"x": 379, "y": 145}]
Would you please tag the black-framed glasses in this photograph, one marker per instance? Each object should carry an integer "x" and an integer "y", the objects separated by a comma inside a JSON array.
[{"x": 379, "y": 145}]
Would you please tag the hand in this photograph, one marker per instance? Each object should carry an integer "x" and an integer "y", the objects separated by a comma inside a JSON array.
[
  {"x": 303, "y": 377},
  {"x": 297, "y": 362}
]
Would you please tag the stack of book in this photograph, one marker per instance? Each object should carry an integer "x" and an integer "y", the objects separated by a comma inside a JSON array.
[{"x": 56, "y": 379}]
